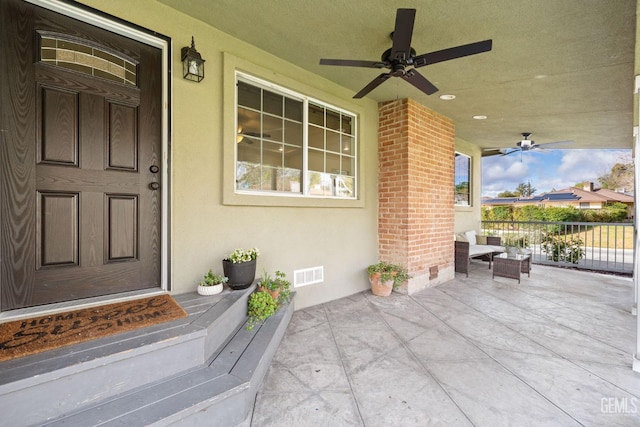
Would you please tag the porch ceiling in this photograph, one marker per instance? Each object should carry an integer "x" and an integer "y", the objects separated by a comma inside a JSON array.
[{"x": 563, "y": 70}]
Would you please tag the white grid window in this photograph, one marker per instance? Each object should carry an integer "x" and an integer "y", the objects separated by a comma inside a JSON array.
[{"x": 288, "y": 144}]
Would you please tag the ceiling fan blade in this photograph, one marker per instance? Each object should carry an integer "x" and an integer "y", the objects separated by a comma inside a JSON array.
[
  {"x": 515, "y": 150},
  {"x": 452, "y": 53},
  {"x": 554, "y": 144},
  {"x": 419, "y": 81},
  {"x": 401, "y": 49},
  {"x": 353, "y": 63},
  {"x": 488, "y": 152},
  {"x": 372, "y": 85}
]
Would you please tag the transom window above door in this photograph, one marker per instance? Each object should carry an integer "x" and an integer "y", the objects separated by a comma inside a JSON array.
[
  {"x": 290, "y": 145},
  {"x": 79, "y": 56}
]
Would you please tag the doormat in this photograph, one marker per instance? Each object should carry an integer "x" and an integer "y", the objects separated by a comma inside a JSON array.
[{"x": 30, "y": 336}]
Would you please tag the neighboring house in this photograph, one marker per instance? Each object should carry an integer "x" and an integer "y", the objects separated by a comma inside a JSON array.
[{"x": 587, "y": 197}]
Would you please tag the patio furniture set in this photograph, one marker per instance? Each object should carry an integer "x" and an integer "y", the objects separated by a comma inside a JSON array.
[{"x": 505, "y": 263}]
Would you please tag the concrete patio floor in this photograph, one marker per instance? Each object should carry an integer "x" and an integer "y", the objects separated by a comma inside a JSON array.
[{"x": 554, "y": 350}]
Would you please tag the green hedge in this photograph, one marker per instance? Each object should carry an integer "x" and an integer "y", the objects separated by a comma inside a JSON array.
[{"x": 616, "y": 212}]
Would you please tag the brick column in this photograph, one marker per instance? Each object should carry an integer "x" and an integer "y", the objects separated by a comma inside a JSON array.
[{"x": 415, "y": 191}]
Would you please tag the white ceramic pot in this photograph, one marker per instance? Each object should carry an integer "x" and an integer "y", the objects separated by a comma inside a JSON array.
[{"x": 210, "y": 290}]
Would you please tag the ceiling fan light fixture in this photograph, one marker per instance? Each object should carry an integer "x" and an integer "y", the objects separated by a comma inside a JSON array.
[
  {"x": 447, "y": 97},
  {"x": 479, "y": 117}
]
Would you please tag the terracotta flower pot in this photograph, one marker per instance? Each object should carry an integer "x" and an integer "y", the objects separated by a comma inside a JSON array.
[
  {"x": 274, "y": 294},
  {"x": 379, "y": 288}
]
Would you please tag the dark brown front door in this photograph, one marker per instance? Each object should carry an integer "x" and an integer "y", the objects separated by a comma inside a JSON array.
[{"x": 80, "y": 153}]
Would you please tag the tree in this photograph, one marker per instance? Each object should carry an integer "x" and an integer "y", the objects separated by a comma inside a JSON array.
[
  {"x": 620, "y": 176},
  {"x": 525, "y": 189},
  {"x": 522, "y": 190}
]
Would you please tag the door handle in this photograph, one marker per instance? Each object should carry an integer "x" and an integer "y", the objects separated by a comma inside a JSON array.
[
  {"x": 154, "y": 168},
  {"x": 154, "y": 185}
]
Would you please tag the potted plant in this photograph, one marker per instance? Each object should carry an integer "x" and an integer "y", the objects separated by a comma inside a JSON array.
[
  {"x": 381, "y": 278},
  {"x": 401, "y": 275},
  {"x": 384, "y": 277},
  {"x": 211, "y": 284},
  {"x": 278, "y": 288},
  {"x": 240, "y": 267},
  {"x": 260, "y": 307}
]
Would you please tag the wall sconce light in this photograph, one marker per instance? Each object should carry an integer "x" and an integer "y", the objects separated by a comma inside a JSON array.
[{"x": 192, "y": 63}]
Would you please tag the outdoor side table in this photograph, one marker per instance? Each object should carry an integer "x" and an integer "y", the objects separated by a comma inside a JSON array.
[{"x": 510, "y": 266}]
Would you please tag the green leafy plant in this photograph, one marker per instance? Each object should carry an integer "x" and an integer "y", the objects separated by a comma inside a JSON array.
[
  {"x": 212, "y": 279},
  {"x": 562, "y": 248},
  {"x": 401, "y": 275},
  {"x": 388, "y": 272},
  {"x": 240, "y": 255},
  {"x": 518, "y": 241},
  {"x": 273, "y": 284},
  {"x": 261, "y": 306}
]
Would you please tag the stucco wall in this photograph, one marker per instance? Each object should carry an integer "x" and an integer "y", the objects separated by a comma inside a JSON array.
[
  {"x": 468, "y": 218},
  {"x": 204, "y": 229}
]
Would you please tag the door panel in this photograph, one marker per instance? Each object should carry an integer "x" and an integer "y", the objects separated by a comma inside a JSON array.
[
  {"x": 123, "y": 137},
  {"x": 59, "y": 136},
  {"x": 122, "y": 228},
  {"x": 57, "y": 234},
  {"x": 81, "y": 127}
]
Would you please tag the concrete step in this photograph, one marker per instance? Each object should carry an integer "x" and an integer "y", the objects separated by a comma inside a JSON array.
[
  {"x": 220, "y": 393},
  {"x": 115, "y": 372}
]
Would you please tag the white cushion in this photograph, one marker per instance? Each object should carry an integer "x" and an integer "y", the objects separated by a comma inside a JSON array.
[
  {"x": 471, "y": 237},
  {"x": 476, "y": 250}
]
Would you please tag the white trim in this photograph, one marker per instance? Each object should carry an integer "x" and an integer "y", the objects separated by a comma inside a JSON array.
[
  {"x": 99, "y": 21},
  {"x": 164, "y": 45},
  {"x": 305, "y": 100},
  {"x": 636, "y": 256}
]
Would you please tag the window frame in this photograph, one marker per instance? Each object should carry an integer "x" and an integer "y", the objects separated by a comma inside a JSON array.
[
  {"x": 469, "y": 202},
  {"x": 306, "y": 100}
]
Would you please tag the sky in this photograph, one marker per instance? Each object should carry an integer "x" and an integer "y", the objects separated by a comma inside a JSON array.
[{"x": 547, "y": 169}]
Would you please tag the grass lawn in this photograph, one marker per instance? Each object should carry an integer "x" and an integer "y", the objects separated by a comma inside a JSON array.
[{"x": 607, "y": 236}]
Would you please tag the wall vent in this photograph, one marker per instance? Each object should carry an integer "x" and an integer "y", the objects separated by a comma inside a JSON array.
[{"x": 308, "y": 276}]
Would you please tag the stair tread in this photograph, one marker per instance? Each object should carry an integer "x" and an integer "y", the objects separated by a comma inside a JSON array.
[
  {"x": 231, "y": 373},
  {"x": 99, "y": 351}
]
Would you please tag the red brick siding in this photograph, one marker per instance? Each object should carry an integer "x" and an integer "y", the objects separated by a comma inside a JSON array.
[{"x": 415, "y": 186}]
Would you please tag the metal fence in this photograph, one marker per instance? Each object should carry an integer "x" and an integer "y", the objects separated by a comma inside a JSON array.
[{"x": 587, "y": 245}]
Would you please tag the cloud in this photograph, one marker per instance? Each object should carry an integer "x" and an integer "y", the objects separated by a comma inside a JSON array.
[
  {"x": 588, "y": 165},
  {"x": 502, "y": 173},
  {"x": 548, "y": 170}
]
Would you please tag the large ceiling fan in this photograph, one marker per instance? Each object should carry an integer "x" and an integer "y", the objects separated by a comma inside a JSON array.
[
  {"x": 401, "y": 55},
  {"x": 525, "y": 144}
]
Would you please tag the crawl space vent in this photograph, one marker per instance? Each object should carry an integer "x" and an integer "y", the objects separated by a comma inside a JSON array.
[{"x": 308, "y": 276}]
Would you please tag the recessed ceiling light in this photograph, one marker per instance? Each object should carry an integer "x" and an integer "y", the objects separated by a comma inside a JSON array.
[
  {"x": 480, "y": 117},
  {"x": 447, "y": 97}
]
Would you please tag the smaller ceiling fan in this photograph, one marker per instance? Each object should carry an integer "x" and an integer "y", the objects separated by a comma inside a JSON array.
[
  {"x": 401, "y": 59},
  {"x": 525, "y": 144}
]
